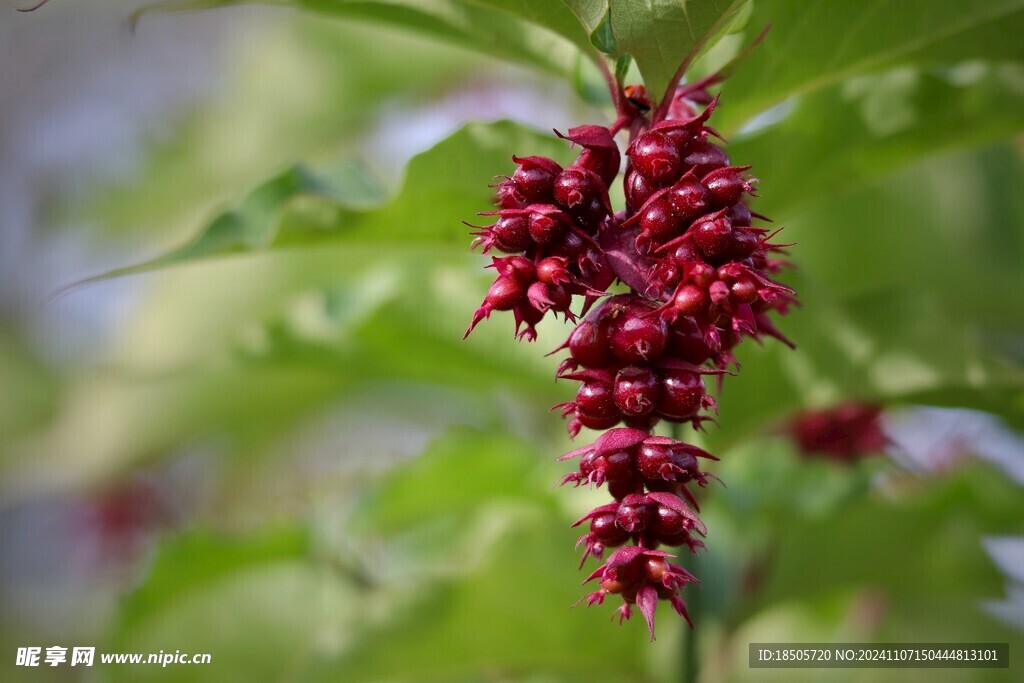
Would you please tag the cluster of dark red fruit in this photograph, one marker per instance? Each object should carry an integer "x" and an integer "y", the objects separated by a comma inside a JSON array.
[
  {"x": 698, "y": 272},
  {"x": 844, "y": 432}
]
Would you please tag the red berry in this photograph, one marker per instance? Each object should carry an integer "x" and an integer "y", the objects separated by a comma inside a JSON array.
[
  {"x": 713, "y": 235},
  {"x": 634, "y": 518},
  {"x": 744, "y": 290},
  {"x": 739, "y": 214},
  {"x": 688, "y": 198},
  {"x": 638, "y": 190},
  {"x": 619, "y": 467},
  {"x": 533, "y": 181},
  {"x": 703, "y": 157},
  {"x": 682, "y": 394},
  {"x": 519, "y": 267},
  {"x": 576, "y": 187},
  {"x": 636, "y": 391},
  {"x": 569, "y": 245},
  {"x": 606, "y": 531},
  {"x": 653, "y": 461},
  {"x": 668, "y": 523},
  {"x": 655, "y": 568},
  {"x": 656, "y": 157},
  {"x": 590, "y": 214},
  {"x": 594, "y": 400},
  {"x": 744, "y": 243},
  {"x": 553, "y": 270},
  {"x": 660, "y": 222},
  {"x": 686, "y": 341},
  {"x": 545, "y": 226},
  {"x": 621, "y": 489},
  {"x": 725, "y": 186},
  {"x": 639, "y": 335},
  {"x": 690, "y": 299},
  {"x": 512, "y": 234},
  {"x": 505, "y": 293},
  {"x": 588, "y": 345}
]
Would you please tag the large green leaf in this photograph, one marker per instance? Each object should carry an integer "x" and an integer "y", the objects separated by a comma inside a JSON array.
[
  {"x": 469, "y": 24},
  {"x": 301, "y": 206},
  {"x": 818, "y": 44},
  {"x": 661, "y": 35},
  {"x": 554, "y": 16}
]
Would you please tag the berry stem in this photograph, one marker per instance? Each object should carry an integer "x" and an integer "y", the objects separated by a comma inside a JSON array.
[
  {"x": 615, "y": 88},
  {"x": 690, "y": 651}
]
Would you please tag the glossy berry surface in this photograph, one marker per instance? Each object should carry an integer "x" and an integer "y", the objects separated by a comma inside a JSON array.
[{"x": 656, "y": 157}]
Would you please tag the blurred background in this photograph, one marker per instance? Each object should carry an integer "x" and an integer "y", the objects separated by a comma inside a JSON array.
[{"x": 271, "y": 444}]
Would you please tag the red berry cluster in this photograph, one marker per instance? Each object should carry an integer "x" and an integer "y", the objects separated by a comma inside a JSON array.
[
  {"x": 551, "y": 216},
  {"x": 699, "y": 274},
  {"x": 844, "y": 432}
]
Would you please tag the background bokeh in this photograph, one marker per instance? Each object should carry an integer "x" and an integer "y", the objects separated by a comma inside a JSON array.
[{"x": 270, "y": 443}]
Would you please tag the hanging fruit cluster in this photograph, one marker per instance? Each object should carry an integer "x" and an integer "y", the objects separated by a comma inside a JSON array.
[{"x": 699, "y": 271}]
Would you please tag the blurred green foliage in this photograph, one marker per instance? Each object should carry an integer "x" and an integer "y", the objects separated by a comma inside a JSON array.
[{"x": 327, "y": 290}]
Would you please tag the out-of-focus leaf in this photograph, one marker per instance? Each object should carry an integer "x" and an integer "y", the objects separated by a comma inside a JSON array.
[
  {"x": 299, "y": 206},
  {"x": 814, "y": 45},
  {"x": 838, "y": 139},
  {"x": 934, "y": 534},
  {"x": 475, "y": 25},
  {"x": 554, "y": 16},
  {"x": 209, "y": 557},
  {"x": 293, "y": 608},
  {"x": 510, "y": 582},
  {"x": 250, "y": 226}
]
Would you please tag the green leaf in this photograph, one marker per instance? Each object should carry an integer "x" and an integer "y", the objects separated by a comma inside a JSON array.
[
  {"x": 934, "y": 530},
  {"x": 300, "y": 207},
  {"x": 491, "y": 27},
  {"x": 293, "y": 608},
  {"x": 511, "y": 32},
  {"x": 554, "y": 16},
  {"x": 815, "y": 45},
  {"x": 660, "y": 35},
  {"x": 250, "y": 226},
  {"x": 209, "y": 556},
  {"x": 622, "y": 66},
  {"x": 602, "y": 36},
  {"x": 839, "y": 139},
  {"x": 663, "y": 35}
]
